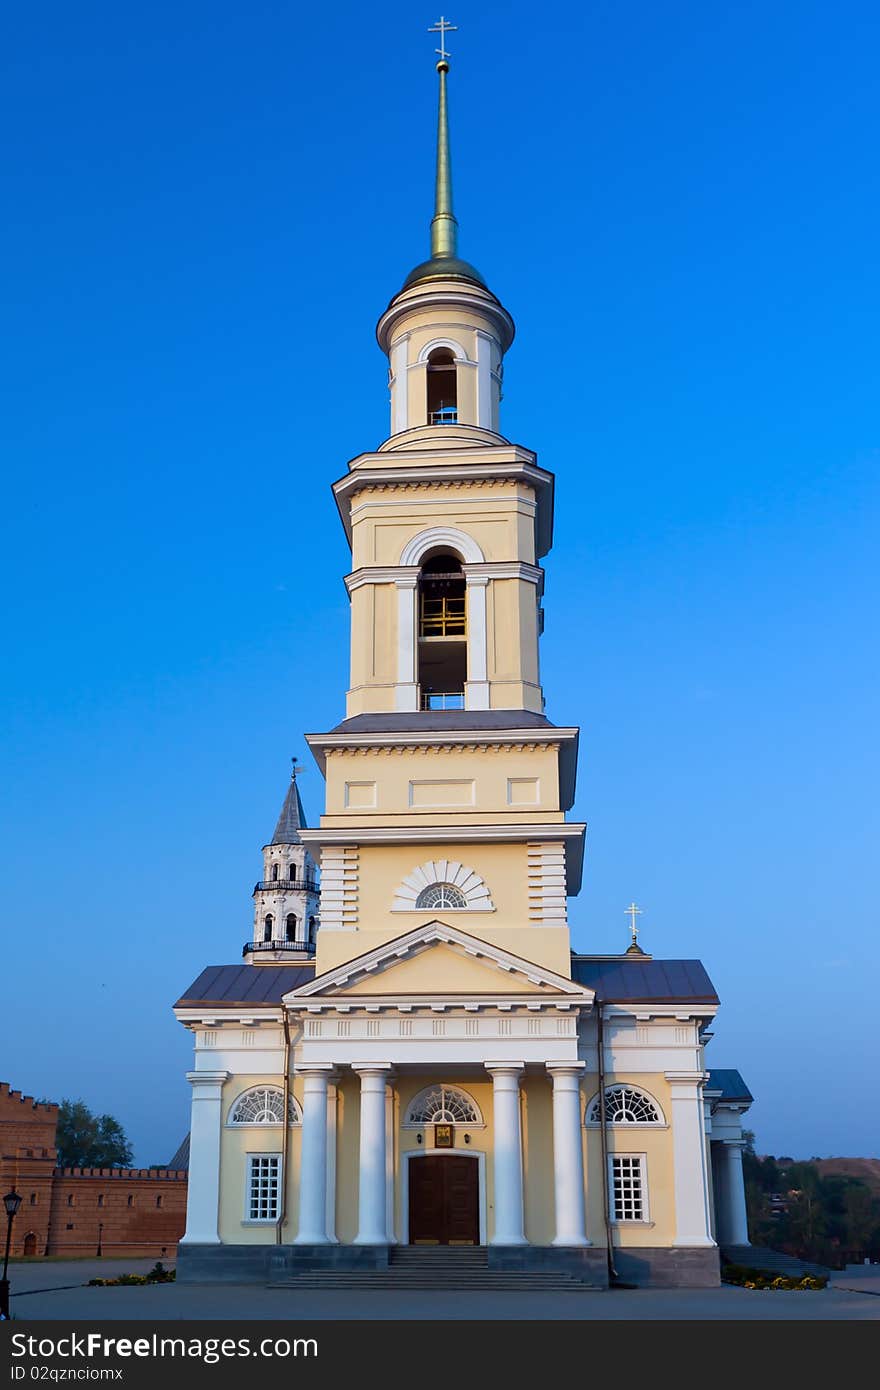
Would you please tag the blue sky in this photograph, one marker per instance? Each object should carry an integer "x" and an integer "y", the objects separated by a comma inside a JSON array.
[{"x": 208, "y": 208}]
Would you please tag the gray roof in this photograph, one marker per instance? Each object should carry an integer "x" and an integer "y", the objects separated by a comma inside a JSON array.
[
  {"x": 245, "y": 984},
  {"x": 292, "y": 818},
  {"x": 181, "y": 1157},
  {"x": 643, "y": 982},
  {"x": 443, "y": 720},
  {"x": 615, "y": 982},
  {"x": 730, "y": 1083}
]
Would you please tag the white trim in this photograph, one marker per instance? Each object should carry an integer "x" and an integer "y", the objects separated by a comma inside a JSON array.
[
  {"x": 441, "y": 536},
  {"x": 460, "y": 354},
  {"x": 413, "y": 942},
  {"x": 470, "y": 1152}
]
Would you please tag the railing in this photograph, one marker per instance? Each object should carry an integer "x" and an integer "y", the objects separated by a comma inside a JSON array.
[
  {"x": 443, "y": 699},
  {"x": 446, "y": 415},
  {"x": 304, "y": 885},
  {"x": 303, "y": 948}
]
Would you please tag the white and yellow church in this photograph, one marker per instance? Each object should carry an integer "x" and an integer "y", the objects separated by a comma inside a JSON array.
[{"x": 410, "y": 1075}]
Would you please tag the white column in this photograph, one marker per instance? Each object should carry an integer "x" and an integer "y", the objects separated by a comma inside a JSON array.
[
  {"x": 507, "y": 1160},
  {"x": 568, "y": 1153},
  {"x": 406, "y": 694},
  {"x": 203, "y": 1190},
  {"x": 477, "y": 685},
  {"x": 736, "y": 1226},
  {"x": 312, "y": 1225},
  {"x": 484, "y": 381},
  {"x": 690, "y": 1180},
  {"x": 399, "y": 384},
  {"x": 372, "y": 1225}
]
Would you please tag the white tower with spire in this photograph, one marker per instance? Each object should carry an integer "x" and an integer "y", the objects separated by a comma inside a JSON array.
[{"x": 286, "y": 898}]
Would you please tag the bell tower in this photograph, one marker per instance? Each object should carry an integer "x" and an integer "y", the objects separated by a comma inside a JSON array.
[
  {"x": 446, "y": 783},
  {"x": 286, "y": 897}
]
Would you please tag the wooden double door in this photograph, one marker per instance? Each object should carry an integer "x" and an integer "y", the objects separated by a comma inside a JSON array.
[{"x": 444, "y": 1200}]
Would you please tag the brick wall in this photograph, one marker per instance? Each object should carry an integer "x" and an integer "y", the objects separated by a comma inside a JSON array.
[{"x": 71, "y": 1211}]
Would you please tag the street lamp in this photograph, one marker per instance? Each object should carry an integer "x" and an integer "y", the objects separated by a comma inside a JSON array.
[{"x": 12, "y": 1202}]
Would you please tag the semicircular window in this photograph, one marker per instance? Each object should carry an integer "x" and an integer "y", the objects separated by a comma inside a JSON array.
[
  {"x": 624, "y": 1105},
  {"x": 444, "y": 895},
  {"x": 443, "y": 1105},
  {"x": 264, "y": 1105}
]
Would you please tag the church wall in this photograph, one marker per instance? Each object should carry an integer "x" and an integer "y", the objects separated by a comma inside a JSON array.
[
  {"x": 499, "y": 517},
  {"x": 236, "y": 1142},
  {"x": 655, "y": 1142},
  {"x": 517, "y": 785}
]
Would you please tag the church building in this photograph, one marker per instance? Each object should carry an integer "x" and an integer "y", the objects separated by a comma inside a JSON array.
[{"x": 410, "y": 1075}]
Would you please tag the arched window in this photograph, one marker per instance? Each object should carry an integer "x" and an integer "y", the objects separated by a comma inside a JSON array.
[
  {"x": 442, "y": 1105},
  {"x": 267, "y": 927},
  {"x": 274, "y": 873},
  {"x": 263, "y": 1105},
  {"x": 311, "y": 929},
  {"x": 443, "y": 883},
  {"x": 290, "y": 926},
  {"x": 442, "y": 895},
  {"x": 442, "y": 379},
  {"x": 292, "y": 870},
  {"x": 625, "y": 1105},
  {"x": 442, "y": 633}
]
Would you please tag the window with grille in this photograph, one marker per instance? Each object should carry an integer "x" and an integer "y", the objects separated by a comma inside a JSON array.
[
  {"x": 441, "y": 895},
  {"x": 629, "y": 1195},
  {"x": 263, "y": 1105},
  {"x": 624, "y": 1105},
  {"x": 264, "y": 1187}
]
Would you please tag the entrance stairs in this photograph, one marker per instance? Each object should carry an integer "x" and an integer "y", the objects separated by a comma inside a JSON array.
[
  {"x": 450, "y": 1268},
  {"x": 770, "y": 1261}
]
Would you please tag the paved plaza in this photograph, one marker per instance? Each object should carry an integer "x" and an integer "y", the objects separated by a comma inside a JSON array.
[{"x": 56, "y": 1289}]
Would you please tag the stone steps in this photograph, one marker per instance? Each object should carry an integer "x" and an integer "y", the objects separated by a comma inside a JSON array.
[
  {"x": 455, "y": 1269},
  {"x": 770, "y": 1261}
]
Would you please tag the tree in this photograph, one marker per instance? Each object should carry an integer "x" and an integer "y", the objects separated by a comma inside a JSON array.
[{"x": 84, "y": 1140}]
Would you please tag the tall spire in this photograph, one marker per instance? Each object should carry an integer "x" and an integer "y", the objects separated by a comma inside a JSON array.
[
  {"x": 292, "y": 818},
  {"x": 444, "y": 228},
  {"x": 444, "y": 262}
]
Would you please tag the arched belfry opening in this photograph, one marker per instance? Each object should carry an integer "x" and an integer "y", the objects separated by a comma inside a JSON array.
[
  {"x": 442, "y": 380},
  {"x": 442, "y": 633}
]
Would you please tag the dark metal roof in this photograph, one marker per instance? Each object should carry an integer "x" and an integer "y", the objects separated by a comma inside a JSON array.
[
  {"x": 292, "y": 818},
  {"x": 181, "y": 1158},
  {"x": 245, "y": 984},
  {"x": 637, "y": 981},
  {"x": 730, "y": 1083},
  {"x": 442, "y": 721}
]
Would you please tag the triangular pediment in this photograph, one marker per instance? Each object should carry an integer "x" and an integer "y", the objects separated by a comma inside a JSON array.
[{"x": 440, "y": 959}]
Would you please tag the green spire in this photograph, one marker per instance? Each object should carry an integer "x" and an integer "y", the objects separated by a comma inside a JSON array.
[
  {"x": 444, "y": 228},
  {"x": 444, "y": 262}
]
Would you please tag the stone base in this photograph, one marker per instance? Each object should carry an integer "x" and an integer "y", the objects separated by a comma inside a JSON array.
[
  {"x": 584, "y": 1262},
  {"x": 224, "y": 1264},
  {"x": 686, "y": 1267}
]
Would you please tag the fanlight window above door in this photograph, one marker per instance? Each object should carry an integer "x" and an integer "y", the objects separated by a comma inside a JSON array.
[{"x": 442, "y": 1105}]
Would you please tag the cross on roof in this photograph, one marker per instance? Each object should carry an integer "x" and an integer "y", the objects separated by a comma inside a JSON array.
[
  {"x": 442, "y": 27},
  {"x": 632, "y": 912}
]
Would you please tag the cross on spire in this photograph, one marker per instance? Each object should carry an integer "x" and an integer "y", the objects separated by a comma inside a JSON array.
[
  {"x": 443, "y": 27},
  {"x": 294, "y": 765},
  {"x": 632, "y": 912}
]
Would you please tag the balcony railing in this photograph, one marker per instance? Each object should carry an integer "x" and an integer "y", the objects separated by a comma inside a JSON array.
[
  {"x": 442, "y": 699},
  {"x": 446, "y": 415},
  {"x": 302, "y": 948},
  {"x": 303, "y": 885}
]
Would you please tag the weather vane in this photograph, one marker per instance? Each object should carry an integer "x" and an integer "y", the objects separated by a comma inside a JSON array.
[
  {"x": 632, "y": 912},
  {"x": 443, "y": 27},
  {"x": 293, "y": 763}
]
